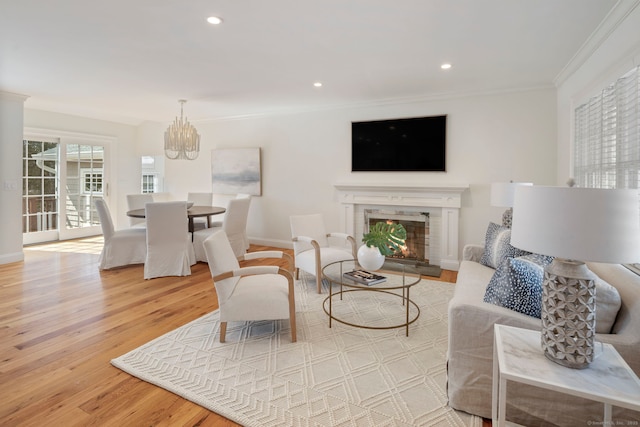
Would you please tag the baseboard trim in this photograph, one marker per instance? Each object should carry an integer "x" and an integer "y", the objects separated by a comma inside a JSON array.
[
  {"x": 276, "y": 243},
  {"x": 13, "y": 257},
  {"x": 449, "y": 265}
]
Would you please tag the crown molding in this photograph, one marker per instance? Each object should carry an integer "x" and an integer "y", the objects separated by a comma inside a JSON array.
[
  {"x": 382, "y": 102},
  {"x": 10, "y": 96},
  {"x": 609, "y": 24}
]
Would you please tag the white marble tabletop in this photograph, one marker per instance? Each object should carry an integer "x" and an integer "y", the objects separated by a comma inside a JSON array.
[{"x": 607, "y": 379}]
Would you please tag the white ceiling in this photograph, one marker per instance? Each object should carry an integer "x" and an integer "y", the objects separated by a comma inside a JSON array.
[{"x": 131, "y": 60}]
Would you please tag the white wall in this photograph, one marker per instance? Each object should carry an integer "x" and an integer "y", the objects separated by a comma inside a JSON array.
[
  {"x": 11, "y": 119},
  {"x": 618, "y": 53},
  {"x": 499, "y": 137}
]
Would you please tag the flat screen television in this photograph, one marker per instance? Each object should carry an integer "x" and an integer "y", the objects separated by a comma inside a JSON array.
[{"x": 399, "y": 145}]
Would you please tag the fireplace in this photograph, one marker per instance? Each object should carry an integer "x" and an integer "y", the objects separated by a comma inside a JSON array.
[
  {"x": 442, "y": 204},
  {"x": 416, "y": 247}
]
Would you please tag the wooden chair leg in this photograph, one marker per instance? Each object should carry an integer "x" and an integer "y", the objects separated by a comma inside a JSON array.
[
  {"x": 292, "y": 321},
  {"x": 223, "y": 331},
  {"x": 319, "y": 274},
  {"x": 292, "y": 311}
]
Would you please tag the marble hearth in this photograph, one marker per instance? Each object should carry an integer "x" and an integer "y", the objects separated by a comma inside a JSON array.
[{"x": 442, "y": 202}]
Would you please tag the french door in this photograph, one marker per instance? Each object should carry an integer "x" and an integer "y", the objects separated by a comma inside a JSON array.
[{"x": 62, "y": 176}]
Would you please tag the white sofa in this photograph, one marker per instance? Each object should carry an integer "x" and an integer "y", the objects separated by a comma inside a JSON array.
[{"x": 470, "y": 353}]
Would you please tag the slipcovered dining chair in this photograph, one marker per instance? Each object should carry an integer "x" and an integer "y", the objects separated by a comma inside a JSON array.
[
  {"x": 314, "y": 248},
  {"x": 201, "y": 199},
  {"x": 169, "y": 248},
  {"x": 137, "y": 201},
  {"x": 246, "y": 238},
  {"x": 250, "y": 293},
  {"x": 121, "y": 247},
  {"x": 219, "y": 223},
  {"x": 234, "y": 226}
]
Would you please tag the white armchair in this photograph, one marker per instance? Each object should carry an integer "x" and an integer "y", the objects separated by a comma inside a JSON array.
[
  {"x": 121, "y": 247},
  {"x": 311, "y": 245},
  {"x": 249, "y": 293}
]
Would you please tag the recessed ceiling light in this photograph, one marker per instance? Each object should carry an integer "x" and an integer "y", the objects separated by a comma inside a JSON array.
[
  {"x": 445, "y": 66},
  {"x": 318, "y": 84},
  {"x": 215, "y": 20}
]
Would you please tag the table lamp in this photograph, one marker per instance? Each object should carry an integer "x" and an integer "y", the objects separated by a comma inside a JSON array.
[
  {"x": 502, "y": 195},
  {"x": 574, "y": 225}
]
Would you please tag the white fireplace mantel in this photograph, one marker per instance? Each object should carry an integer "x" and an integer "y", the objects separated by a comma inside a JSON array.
[{"x": 448, "y": 198}]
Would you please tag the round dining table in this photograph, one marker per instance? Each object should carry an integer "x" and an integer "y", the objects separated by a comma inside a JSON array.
[{"x": 192, "y": 212}]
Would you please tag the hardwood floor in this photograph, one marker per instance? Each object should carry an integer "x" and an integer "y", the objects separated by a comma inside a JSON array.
[{"x": 62, "y": 321}]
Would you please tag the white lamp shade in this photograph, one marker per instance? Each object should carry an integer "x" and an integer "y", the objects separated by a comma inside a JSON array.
[
  {"x": 502, "y": 193},
  {"x": 583, "y": 224}
]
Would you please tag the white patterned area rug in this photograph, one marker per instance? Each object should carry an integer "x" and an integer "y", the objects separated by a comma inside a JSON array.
[{"x": 338, "y": 376}]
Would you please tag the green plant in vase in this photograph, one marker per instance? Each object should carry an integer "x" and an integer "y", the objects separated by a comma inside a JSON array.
[
  {"x": 387, "y": 237},
  {"x": 383, "y": 239}
]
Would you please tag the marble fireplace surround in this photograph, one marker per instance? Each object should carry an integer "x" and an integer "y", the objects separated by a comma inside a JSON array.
[{"x": 443, "y": 202}]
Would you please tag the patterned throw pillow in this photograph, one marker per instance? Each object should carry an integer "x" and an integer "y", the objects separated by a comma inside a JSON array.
[
  {"x": 517, "y": 284},
  {"x": 497, "y": 246}
]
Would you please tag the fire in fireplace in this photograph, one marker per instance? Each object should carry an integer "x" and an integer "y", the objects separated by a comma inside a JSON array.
[{"x": 416, "y": 247}]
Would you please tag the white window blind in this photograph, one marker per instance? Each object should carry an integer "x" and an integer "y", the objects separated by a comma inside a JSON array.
[{"x": 607, "y": 136}]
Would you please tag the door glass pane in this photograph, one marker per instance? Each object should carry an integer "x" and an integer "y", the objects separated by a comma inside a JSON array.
[
  {"x": 84, "y": 183},
  {"x": 72, "y": 184},
  {"x": 39, "y": 186}
]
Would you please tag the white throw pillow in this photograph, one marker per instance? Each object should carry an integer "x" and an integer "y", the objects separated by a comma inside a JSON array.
[{"x": 607, "y": 306}]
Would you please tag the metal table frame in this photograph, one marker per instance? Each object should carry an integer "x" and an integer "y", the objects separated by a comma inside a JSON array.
[{"x": 407, "y": 282}]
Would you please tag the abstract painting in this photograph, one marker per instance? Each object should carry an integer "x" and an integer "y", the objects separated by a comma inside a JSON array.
[{"x": 236, "y": 170}]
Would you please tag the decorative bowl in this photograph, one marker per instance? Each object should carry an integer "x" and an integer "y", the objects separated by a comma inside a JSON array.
[{"x": 189, "y": 204}]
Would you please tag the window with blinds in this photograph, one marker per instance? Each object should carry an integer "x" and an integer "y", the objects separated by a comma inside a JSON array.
[{"x": 607, "y": 136}]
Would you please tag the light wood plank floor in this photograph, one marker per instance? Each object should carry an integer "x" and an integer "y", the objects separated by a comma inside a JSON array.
[{"x": 62, "y": 321}]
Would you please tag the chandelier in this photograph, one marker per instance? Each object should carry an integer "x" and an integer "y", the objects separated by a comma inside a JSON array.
[{"x": 181, "y": 139}]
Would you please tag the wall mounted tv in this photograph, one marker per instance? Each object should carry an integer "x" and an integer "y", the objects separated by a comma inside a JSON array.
[{"x": 399, "y": 145}]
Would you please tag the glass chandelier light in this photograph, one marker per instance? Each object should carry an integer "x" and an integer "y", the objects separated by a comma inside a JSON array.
[{"x": 181, "y": 139}]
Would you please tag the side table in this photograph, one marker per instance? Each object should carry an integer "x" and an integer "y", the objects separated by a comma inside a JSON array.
[{"x": 517, "y": 356}]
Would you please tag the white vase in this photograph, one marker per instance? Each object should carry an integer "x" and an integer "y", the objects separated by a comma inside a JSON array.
[{"x": 370, "y": 258}]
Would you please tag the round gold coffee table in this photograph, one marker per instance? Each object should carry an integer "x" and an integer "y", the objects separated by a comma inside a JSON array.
[{"x": 398, "y": 282}]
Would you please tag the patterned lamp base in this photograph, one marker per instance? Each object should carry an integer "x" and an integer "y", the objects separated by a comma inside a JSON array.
[
  {"x": 568, "y": 313},
  {"x": 507, "y": 218}
]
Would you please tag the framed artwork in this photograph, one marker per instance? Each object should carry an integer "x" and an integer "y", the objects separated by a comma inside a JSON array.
[{"x": 236, "y": 170}]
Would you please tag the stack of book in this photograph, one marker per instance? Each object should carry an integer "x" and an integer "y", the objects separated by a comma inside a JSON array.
[{"x": 364, "y": 277}]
